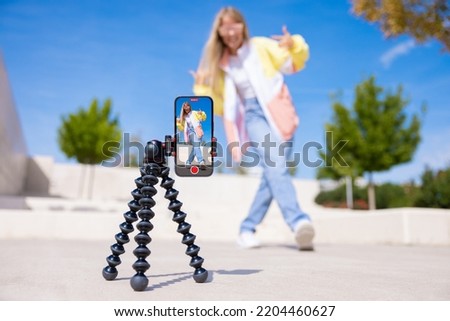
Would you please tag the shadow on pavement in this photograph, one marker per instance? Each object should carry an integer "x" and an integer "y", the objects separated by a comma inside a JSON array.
[{"x": 182, "y": 276}]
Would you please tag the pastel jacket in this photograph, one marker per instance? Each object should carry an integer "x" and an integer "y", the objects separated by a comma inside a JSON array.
[
  {"x": 265, "y": 63},
  {"x": 195, "y": 117}
]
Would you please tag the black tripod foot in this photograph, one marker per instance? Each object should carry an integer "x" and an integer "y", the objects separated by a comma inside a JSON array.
[
  {"x": 200, "y": 275},
  {"x": 139, "y": 282},
  {"x": 110, "y": 273}
]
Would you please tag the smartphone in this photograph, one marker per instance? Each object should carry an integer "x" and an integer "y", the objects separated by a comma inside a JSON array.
[{"x": 193, "y": 127}]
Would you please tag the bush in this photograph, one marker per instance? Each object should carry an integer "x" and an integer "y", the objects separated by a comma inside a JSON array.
[
  {"x": 435, "y": 189},
  {"x": 337, "y": 198},
  {"x": 387, "y": 196},
  {"x": 332, "y": 198}
]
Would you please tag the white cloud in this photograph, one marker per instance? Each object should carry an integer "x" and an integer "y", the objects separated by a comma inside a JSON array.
[{"x": 401, "y": 49}]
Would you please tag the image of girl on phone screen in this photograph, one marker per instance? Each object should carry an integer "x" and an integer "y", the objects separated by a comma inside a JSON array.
[{"x": 189, "y": 123}]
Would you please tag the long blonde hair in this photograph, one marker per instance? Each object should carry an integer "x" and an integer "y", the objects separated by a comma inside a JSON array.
[
  {"x": 180, "y": 122},
  {"x": 215, "y": 47}
]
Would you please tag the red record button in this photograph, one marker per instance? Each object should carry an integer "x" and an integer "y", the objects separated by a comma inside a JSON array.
[{"x": 194, "y": 170}]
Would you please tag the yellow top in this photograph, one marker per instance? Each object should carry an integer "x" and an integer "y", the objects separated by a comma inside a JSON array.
[
  {"x": 199, "y": 115},
  {"x": 273, "y": 59}
]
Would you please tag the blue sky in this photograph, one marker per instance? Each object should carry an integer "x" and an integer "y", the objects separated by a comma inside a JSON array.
[{"x": 61, "y": 54}]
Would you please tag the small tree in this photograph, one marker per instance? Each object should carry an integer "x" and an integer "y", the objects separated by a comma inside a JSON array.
[
  {"x": 377, "y": 134},
  {"x": 82, "y": 134},
  {"x": 435, "y": 189},
  {"x": 420, "y": 19}
]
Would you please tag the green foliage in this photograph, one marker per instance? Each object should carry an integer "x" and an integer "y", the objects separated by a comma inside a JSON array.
[
  {"x": 383, "y": 138},
  {"x": 337, "y": 198},
  {"x": 376, "y": 130},
  {"x": 342, "y": 128},
  {"x": 435, "y": 189},
  {"x": 83, "y": 134},
  {"x": 391, "y": 195},
  {"x": 388, "y": 196}
]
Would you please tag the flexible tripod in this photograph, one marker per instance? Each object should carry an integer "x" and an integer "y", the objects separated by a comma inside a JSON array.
[{"x": 152, "y": 169}]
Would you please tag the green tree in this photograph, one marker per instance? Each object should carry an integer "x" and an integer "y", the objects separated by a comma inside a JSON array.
[
  {"x": 420, "y": 19},
  {"x": 435, "y": 189},
  {"x": 343, "y": 128},
  {"x": 377, "y": 132},
  {"x": 82, "y": 134}
]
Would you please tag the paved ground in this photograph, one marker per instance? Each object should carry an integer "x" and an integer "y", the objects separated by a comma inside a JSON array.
[{"x": 71, "y": 270}]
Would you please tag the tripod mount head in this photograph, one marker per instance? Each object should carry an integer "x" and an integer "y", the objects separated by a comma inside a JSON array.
[{"x": 156, "y": 151}]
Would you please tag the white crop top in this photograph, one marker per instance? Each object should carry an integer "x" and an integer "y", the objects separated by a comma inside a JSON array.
[{"x": 240, "y": 78}]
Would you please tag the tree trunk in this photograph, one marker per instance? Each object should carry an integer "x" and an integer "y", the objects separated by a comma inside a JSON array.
[
  {"x": 371, "y": 193},
  {"x": 91, "y": 180},
  {"x": 349, "y": 191}
]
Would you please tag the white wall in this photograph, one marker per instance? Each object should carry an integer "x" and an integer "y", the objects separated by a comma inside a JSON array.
[
  {"x": 13, "y": 152},
  {"x": 215, "y": 205}
]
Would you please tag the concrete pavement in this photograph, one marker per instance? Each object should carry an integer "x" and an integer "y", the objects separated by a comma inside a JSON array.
[
  {"x": 54, "y": 247},
  {"x": 71, "y": 270}
]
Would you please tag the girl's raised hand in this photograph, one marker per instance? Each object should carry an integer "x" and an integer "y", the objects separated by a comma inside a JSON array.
[
  {"x": 284, "y": 40},
  {"x": 199, "y": 77}
]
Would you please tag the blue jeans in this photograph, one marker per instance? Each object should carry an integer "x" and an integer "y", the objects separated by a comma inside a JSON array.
[
  {"x": 195, "y": 151},
  {"x": 276, "y": 182}
]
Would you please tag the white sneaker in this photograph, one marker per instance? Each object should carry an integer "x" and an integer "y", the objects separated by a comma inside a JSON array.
[
  {"x": 202, "y": 165},
  {"x": 304, "y": 234},
  {"x": 247, "y": 240}
]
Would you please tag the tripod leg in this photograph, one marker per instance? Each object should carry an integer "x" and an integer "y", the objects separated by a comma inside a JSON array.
[
  {"x": 110, "y": 272},
  {"x": 200, "y": 274},
  {"x": 149, "y": 174}
]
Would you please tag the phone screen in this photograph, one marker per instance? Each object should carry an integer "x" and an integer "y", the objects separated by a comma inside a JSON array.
[{"x": 193, "y": 123}]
